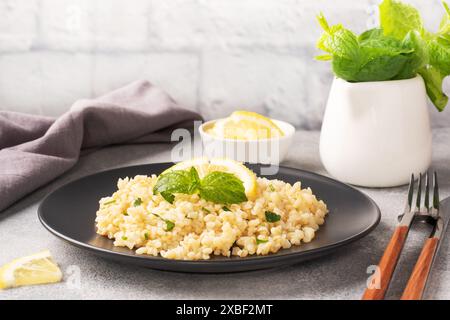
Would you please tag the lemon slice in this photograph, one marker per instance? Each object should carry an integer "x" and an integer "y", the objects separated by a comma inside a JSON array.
[
  {"x": 247, "y": 125},
  {"x": 38, "y": 268},
  {"x": 205, "y": 166}
]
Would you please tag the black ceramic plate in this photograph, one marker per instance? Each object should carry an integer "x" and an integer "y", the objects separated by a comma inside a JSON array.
[{"x": 69, "y": 213}]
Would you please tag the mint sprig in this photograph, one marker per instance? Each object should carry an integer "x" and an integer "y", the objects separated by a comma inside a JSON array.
[
  {"x": 217, "y": 186},
  {"x": 399, "y": 49}
]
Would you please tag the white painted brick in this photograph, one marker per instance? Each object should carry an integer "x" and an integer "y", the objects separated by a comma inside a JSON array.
[
  {"x": 256, "y": 53},
  {"x": 101, "y": 25},
  {"x": 317, "y": 79},
  {"x": 67, "y": 24},
  {"x": 175, "y": 73},
  {"x": 17, "y": 24},
  {"x": 272, "y": 84},
  {"x": 43, "y": 82},
  {"x": 354, "y": 15},
  {"x": 121, "y": 25},
  {"x": 247, "y": 23}
]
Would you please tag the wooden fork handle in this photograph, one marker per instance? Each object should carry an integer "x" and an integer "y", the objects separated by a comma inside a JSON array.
[
  {"x": 387, "y": 264},
  {"x": 416, "y": 283}
]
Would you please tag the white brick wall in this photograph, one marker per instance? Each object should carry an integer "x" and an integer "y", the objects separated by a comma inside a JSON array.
[
  {"x": 17, "y": 25},
  {"x": 44, "y": 82},
  {"x": 177, "y": 73},
  {"x": 211, "y": 55}
]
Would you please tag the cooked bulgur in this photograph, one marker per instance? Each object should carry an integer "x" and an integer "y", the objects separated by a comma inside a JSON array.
[{"x": 192, "y": 228}]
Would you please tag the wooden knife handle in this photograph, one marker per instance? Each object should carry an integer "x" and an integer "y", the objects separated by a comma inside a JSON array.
[
  {"x": 416, "y": 283},
  {"x": 387, "y": 264}
]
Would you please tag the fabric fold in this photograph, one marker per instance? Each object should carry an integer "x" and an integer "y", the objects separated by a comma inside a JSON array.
[{"x": 35, "y": 150}]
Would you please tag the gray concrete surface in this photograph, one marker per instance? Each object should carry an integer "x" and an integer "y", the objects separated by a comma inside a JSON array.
[{"x": 341, "y": 275}]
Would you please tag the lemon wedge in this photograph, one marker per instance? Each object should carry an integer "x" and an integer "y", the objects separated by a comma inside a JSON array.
[
  {"x": 38, "y": 268},
  {"x": 246, "y": 125},
  {"x": 205, "y": 166}
]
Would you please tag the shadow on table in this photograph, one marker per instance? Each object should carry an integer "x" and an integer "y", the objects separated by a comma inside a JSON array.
[{"x": 339, "y": 275}]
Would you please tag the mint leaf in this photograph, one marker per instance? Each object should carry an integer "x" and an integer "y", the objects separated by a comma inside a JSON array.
[
  {"x": 337, "y": 40},
  {"x": 439, "y": 51},
  {"x": 137, "y": 202},
  {"x": 177, "y": 181},
  {"x": 374, "y": 33},
  {"x": 372, "y": 56},
  {"x": 397, "y": 19},
  {"x": 195, "y": 181},
  {"x": 169, "y": 197},
  {"x": 218, "y": 187},
  {"x": 431, "y": 52},
  {"x": 417, "y": 59},
  {"x": 381, "y": 57},
  {"x": 222, "y": 187},
  {"x": 433, "y": 83},
  {"x": 272, "y": 217}
]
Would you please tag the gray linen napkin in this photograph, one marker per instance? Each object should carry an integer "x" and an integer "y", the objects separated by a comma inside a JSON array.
[{"x": 35, "y": 149}]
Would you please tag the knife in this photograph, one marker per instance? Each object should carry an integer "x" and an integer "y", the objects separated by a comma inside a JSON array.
[{"x": 418, "y": 280}]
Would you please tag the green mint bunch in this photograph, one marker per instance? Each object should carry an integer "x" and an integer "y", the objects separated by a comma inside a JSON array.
[
  {"x": 400, "y": 49},
  {"x": 217, "y": 186}
]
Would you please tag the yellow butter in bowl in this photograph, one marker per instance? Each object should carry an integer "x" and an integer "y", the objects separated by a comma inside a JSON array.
[{"x": 245, "y": 125}]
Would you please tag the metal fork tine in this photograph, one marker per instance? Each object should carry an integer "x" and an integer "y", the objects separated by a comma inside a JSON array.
[
  {"x": 410, "y": 194},
  {"x": 419, "y": 192},
  {"x": 435, "y": 192},
  {"x": 427, "y": 192}
]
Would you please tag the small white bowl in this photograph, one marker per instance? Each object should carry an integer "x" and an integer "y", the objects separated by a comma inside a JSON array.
[{"x": 266, "y": 151}]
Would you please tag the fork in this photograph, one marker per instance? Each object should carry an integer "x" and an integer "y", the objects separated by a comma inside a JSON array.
[
  {"x": 416, "y": 284},
  {"x": 388, "y": 262}
]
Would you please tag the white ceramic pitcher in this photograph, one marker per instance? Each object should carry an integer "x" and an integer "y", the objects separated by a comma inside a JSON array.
[{"x": 375, "y": 134}]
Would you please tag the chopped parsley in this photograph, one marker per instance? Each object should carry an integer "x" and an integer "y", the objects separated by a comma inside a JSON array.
[
  {"x": 169, "y": 224},
  {"x": 272, "y": 217},
  {"x": 206, "y": 210},
  {"x": 225, "y": 208},
  {"x": 124, "y": 238},
  {"x": 146, "y": 236},
  {"x": 109, "y": 202},
  {"x": 271, "y": 187},
  {"x": 137, "y": 202},
  {"x": 258, "y": 241}
]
